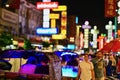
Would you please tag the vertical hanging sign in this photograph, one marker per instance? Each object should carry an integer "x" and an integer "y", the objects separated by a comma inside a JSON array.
[{"x": 110, "y": 8}]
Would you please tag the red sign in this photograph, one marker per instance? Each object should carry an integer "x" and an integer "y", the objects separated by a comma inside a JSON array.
[
  {"x": 47, "y": 5},
  {"x": 110, "y": 8}
]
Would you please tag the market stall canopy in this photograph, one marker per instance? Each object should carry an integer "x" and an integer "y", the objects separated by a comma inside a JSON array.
[
  {"x": 19, "y": 54},
  {"x": 112, "y": 46}
]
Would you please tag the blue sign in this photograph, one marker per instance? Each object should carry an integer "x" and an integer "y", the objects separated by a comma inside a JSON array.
[
  {"x": 46, "y": 31},
  {"x": 71, "y": 46}
]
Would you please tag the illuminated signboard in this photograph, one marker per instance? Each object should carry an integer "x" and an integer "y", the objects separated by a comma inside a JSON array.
[
  {"x": 110, "y": 28},
  {"x": 58, "y": 36},
  {"x": 47, "y": 5},
  {"x": 60, "y": 8},
  {"x": 54, "y": 16},
  {"x": 71, "y": 46},
  {"x": 86, "y": 28},
  {"x": 69, "y": 53},
  {"x": 95, "y": 33},
  {"x": 46, "y": 31}
]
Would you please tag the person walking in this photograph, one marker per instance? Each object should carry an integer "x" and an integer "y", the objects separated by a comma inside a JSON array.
[
  {"x": 99, "y": 66},
  {"x": 42, "y": 67},
  {"x": 86, "y": 69},
  {"x": 118, "y": 67},
  {"x": 109, "y": 68},
  {"x": 111, "y": 57}
]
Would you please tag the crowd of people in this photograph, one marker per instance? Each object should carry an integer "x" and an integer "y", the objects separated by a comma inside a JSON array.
[
  {"x": 98, "y": 67},
  {"x": 34, "y": 66},
  {"x": 95, "y": 67}
]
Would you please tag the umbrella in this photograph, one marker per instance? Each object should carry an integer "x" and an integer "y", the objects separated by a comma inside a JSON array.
[{"x": 112, "y": 46}]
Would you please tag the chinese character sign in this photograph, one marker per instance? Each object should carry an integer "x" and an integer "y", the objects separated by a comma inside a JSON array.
[
  {"x": 95, "y": 33},
  {"x": 110, "y": 8},
  {"x": 110, "y": 28},
  {"x": 86, "y": 28}
]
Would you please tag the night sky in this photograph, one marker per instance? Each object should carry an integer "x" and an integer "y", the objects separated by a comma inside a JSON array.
[{"x": 91, "y": 10}]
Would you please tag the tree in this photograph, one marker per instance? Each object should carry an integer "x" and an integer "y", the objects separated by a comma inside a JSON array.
[
  {"x": 27, "y": 45},
  {"x": 5, "y": 39},
  {"x": 45, "y": 44}
]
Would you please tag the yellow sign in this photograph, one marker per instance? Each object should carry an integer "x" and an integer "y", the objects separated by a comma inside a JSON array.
[
  {"x": 54, "y": 16},
  {"x": 59, "y": 36},
  {"x": 60, "y": 8}
]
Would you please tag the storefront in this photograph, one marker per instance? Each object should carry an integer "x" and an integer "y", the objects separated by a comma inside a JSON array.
[{"x": 8, "y": 21}]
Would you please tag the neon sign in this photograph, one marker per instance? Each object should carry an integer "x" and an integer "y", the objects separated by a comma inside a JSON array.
[
  {"x": 86, "y": 28},
  {"x": 95, "y": 33},
  {"x": 46, "y": 31},
  {"x": 47, "y": 5},
  {"x": 110, "y": 28}
]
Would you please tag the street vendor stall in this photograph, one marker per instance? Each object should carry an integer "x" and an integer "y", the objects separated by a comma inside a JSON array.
[
  {"x": 69, "y": 65},
  {"x": 17, "y": 57}
]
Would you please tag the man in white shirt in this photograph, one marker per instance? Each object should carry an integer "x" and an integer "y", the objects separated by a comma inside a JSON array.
[{"x": 86, "y": 69}]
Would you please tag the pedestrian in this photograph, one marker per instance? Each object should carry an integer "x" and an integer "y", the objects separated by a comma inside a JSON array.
[
  {"x": 109, "y": 68},
  {"x": 86, "y": 69},
  {"x": 43, "y": 66},
  {"x": 73, "y": 61},
  {"x": 118, "y": 67},
  {"x": 111, "y": 57},
  {"x": 99, "y": 66},
  {"x": 63, "y": 61}
]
